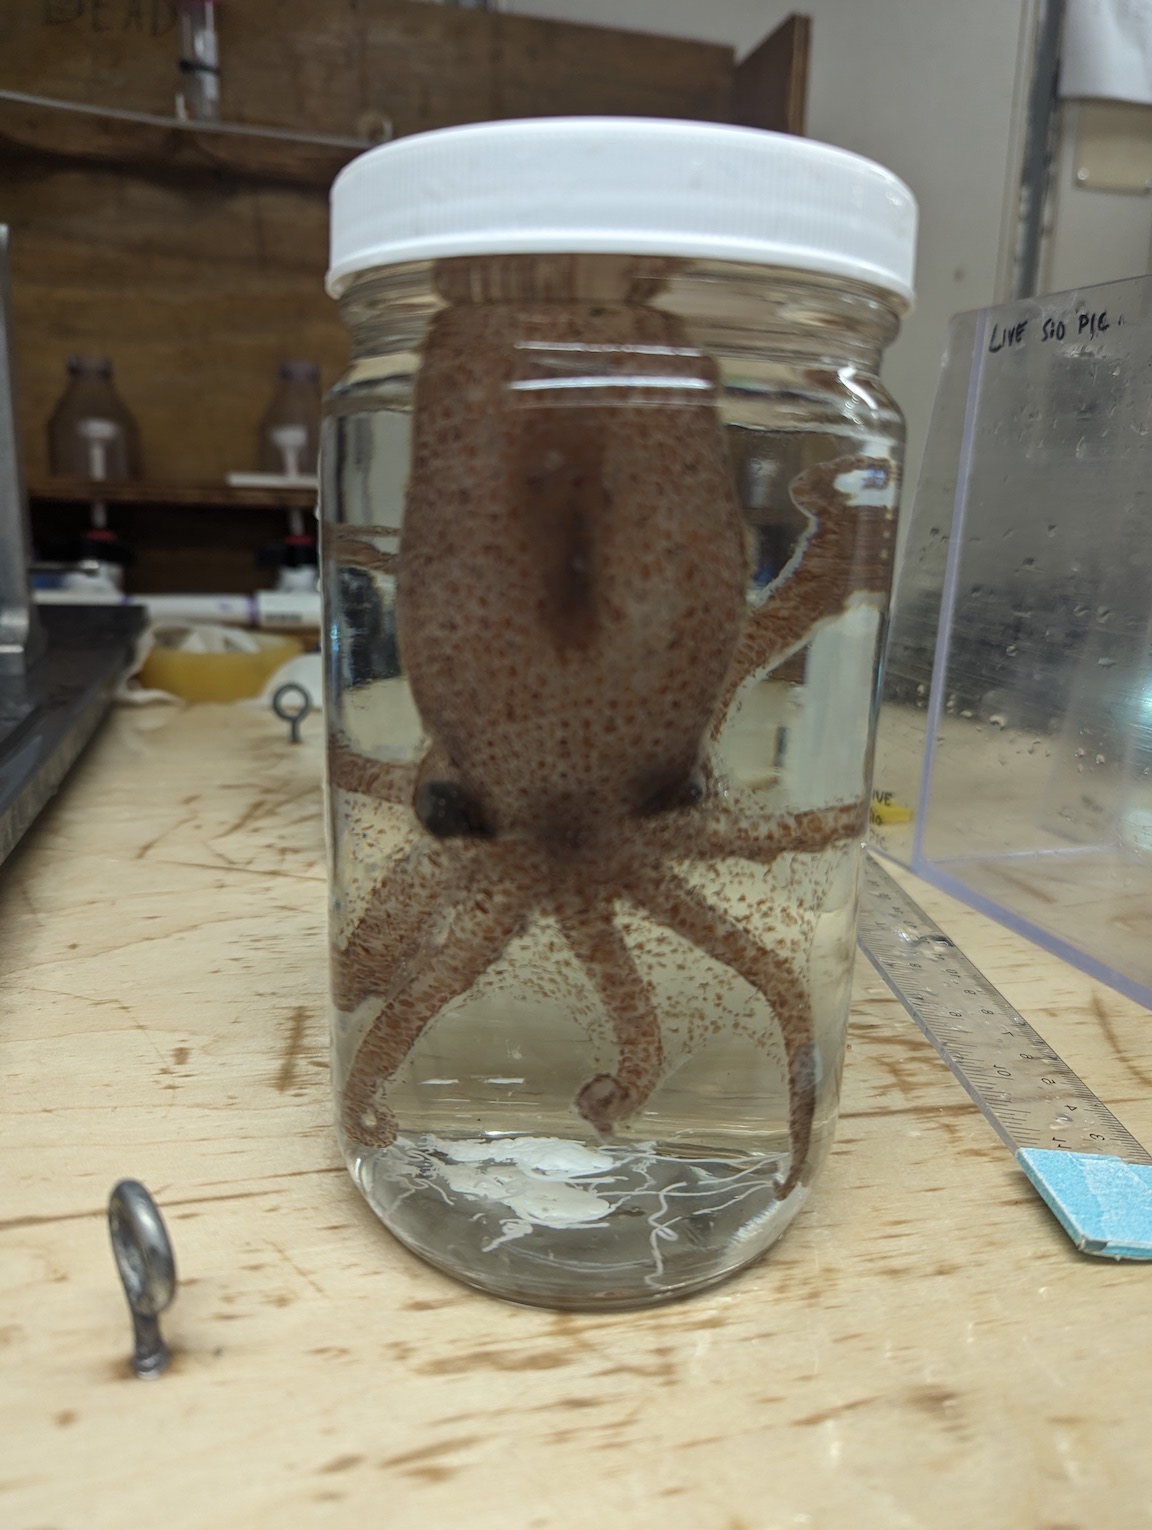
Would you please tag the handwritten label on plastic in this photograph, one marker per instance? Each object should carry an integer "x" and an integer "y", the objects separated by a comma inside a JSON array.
[{"x": 1074, "y": 326}]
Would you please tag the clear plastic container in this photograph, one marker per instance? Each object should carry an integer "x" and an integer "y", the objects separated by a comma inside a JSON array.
[
  {"x": 290, "y": 429},
  {"x": 1015, "y": 739},
  {"x": 607, "y": 548},
  {"x": 92, "y": 433}
]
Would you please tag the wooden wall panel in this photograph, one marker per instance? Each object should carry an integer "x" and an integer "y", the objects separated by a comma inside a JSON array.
[
  {"x": 320, "y": 65},
  {"x": 431, "y": 66},
  {"x": 194, "y": 289},
  {"x": 197, "y": 283},
  {"x": 198, "y": 266},
  {"x": 770, "y": 86},
  {"x": 105, "y": 52}
]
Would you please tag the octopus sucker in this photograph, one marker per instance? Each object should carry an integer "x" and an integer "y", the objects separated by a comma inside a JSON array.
[{"x": 572, "y": 610}]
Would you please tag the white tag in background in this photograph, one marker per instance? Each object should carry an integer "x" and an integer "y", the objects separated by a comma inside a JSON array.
[{"x": 1107, "y": 50}]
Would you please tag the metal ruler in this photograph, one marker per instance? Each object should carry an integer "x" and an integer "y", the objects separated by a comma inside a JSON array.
[{"x": 1091, "y": 1171}]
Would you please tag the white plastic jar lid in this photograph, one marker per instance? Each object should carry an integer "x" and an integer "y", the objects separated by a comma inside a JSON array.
[{"x": 623, "y": 186}]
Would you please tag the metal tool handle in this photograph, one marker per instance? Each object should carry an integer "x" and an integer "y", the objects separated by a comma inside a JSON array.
[{"x": 147, "y": 1266}]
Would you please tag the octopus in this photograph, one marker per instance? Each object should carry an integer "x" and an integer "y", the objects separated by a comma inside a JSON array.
[{"x": 572, "y": 607}]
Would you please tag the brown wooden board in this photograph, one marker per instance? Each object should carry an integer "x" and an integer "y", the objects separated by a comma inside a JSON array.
[
  {"x": 197, "y": 264},
  {"x": 430, "y": 66},
  {"x": 138, "y": 142},
  {"x": 321, "y": 65},
  {"x": 195, "y": 288},
  {"x": 107, "y": 52},
  {"x": 770, "y": 85},
  {"x": 162, "y": 495}
]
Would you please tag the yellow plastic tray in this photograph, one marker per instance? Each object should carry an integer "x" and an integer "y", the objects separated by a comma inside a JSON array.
[{"x": 217, "y": 676}]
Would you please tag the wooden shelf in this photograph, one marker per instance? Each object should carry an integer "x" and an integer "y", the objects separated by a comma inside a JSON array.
[
  {"x": 193, "y": 254},
  {"x": 74, "y": 130},
  {"x": 307, "y": 86},
  {"x": 222, "y": 496}
]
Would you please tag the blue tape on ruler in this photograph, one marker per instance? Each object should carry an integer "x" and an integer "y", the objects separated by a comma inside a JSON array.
[{"x": 1103, "y": 1204}]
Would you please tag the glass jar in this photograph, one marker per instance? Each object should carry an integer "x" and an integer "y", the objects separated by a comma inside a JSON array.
[{"x": 608, "y": 520}]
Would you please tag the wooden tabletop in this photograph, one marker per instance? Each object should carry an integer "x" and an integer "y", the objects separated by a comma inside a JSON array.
[{"x": 923, "y": 1348}]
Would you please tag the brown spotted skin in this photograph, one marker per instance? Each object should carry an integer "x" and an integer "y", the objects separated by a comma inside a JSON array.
[
  {"x": 572, "y": 612},
  {"x": 573, "y": 571}
]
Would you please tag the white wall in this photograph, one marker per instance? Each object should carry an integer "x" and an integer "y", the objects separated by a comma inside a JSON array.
[
  {"x": 1095, "y": 236},
  {"x": 923, "y": 86}
]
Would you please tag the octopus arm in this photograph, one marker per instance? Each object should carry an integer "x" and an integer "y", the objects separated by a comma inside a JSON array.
[
  {"x": 481, "y": 926},
  {"x": 846, "y": 551},
  {"x": 602, "y": 951},
  {"x": 673, "y": 903}
]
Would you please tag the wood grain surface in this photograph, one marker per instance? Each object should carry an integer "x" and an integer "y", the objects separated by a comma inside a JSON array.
[
  {"x": 190, "y": 261},
  {"x": 320, "y": 65},
  {"x": 770, "y": 85},
  {"x": 196, "y": 290},
  {"x": 923, "y": 1348},
  {"x": 196, "y": 261}
]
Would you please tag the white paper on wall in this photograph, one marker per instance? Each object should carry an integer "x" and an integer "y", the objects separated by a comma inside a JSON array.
[{"x": 1108, "y": 50}]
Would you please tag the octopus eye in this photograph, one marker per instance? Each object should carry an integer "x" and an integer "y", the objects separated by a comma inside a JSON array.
[
  {"x": 448, "y": 811},
  {"x": 671, "y": 797},
  {"x": 694, "y": 792}
]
